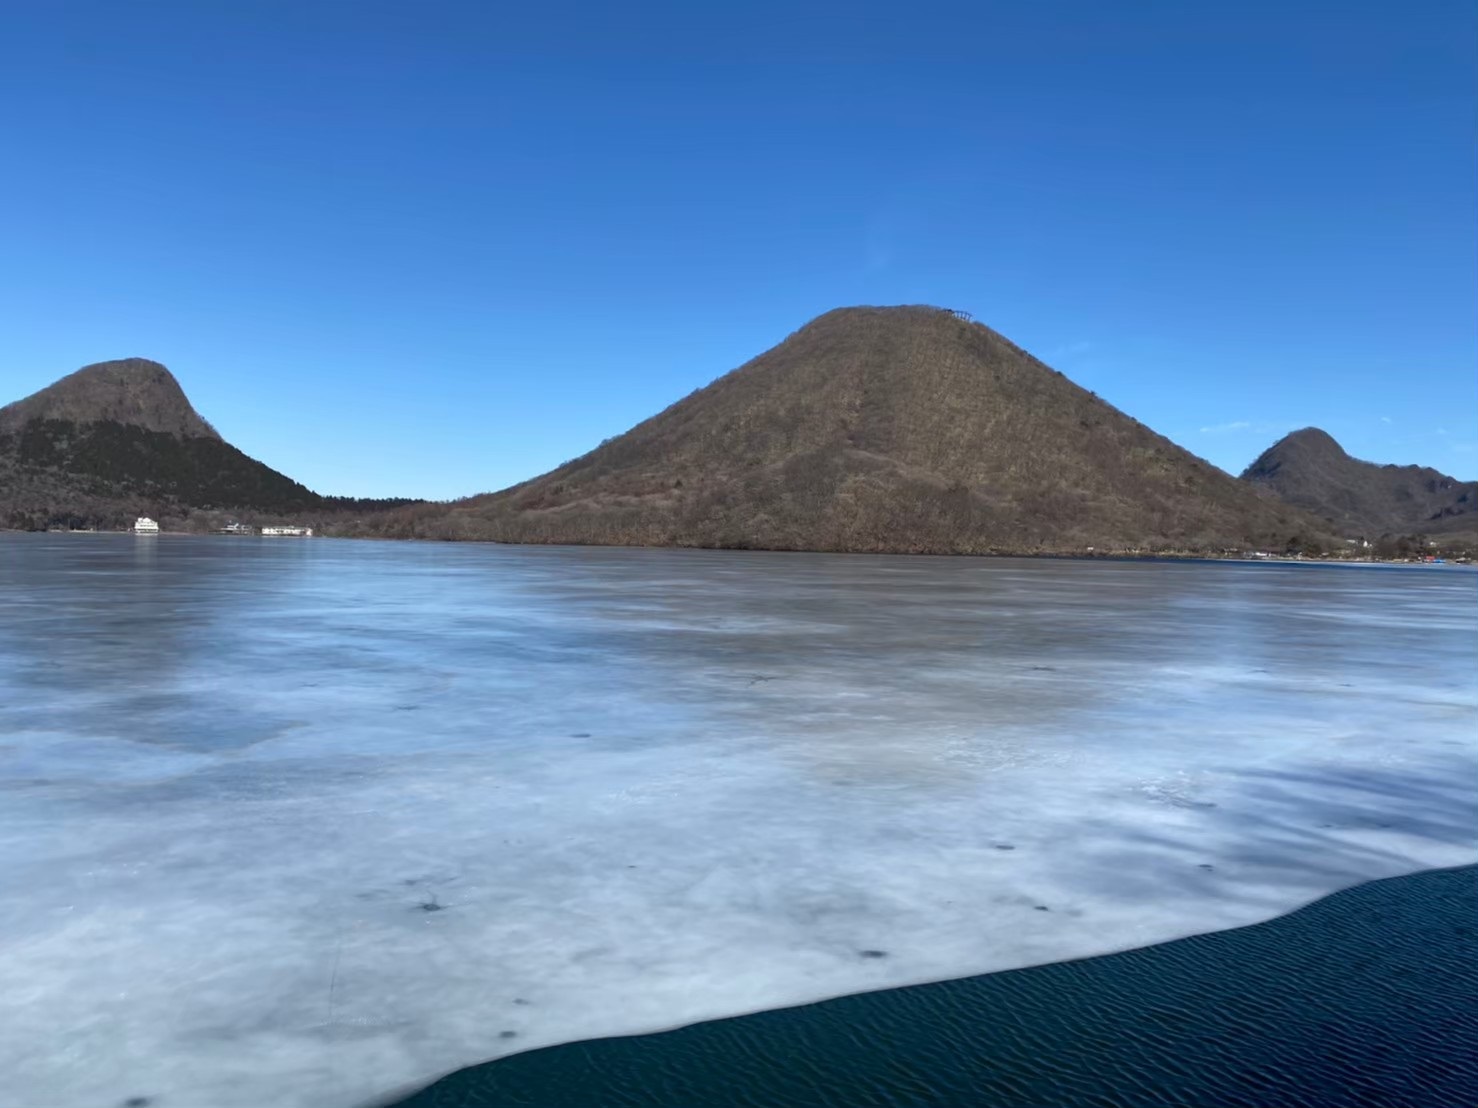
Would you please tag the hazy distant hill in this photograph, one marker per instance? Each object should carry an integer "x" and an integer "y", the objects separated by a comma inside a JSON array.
[
  {"x": 881, "y": 429},
  {"x": 119, "y": 439},
  {"x": 1310, "y": 470}
]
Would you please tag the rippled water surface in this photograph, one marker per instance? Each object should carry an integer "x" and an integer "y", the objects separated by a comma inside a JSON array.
[
  {"x": 1369, "y": 997},
  {"x": 308, "y": 822}
]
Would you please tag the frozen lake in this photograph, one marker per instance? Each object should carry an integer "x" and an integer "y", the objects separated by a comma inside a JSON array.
[{"x": 303, "y": 823}]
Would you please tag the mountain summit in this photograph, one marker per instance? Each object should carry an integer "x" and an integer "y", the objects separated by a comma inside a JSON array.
[
  {"x": 1310, "y": 470},
  {"x": 906, "y": 429},
  {"x": 134, "y": 392},
  {"x": 117, "y": 440}
]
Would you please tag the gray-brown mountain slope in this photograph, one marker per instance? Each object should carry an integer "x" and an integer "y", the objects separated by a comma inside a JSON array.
[
  {"x": 119, "y": 439},
  {"x": 881, "y": 429},
  {"x": 133, "y": 391},
  {"x": 1311, "y": 471}
]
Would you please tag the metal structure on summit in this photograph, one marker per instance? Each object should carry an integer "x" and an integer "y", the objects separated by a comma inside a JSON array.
[{"x": 966, "y": 316}]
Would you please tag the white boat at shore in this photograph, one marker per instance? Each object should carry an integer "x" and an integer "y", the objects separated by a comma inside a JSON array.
[{"x": 145, "y": 526}]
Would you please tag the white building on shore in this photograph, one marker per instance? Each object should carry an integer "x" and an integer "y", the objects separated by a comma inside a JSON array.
[
  {"x": 145, "y": 526},
  {"x": 306, "y": 532}
]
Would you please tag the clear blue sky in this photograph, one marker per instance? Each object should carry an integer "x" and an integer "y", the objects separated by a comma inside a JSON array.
[{"x": 433, "y": 248}]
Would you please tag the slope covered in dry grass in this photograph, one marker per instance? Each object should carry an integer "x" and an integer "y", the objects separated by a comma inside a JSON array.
[
  {"x": 1311, "y": 471},
  {"x": 881, "y": 429}
]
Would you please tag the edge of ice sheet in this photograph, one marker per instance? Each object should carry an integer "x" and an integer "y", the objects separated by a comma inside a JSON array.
[{"x": 345, "y": 845}]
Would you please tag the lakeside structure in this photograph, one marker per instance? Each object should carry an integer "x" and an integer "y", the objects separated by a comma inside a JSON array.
[
  {"x": 303, "y": 532},
  {"x": 145, "y": 526}
]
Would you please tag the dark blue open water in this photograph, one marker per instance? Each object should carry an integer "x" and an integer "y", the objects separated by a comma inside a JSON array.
[{"x": 1366, "y": 999}]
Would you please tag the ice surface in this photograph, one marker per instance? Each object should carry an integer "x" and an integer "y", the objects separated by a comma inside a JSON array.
[{"x": 305, "y": 822}]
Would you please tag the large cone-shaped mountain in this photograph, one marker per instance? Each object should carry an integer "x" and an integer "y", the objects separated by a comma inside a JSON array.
[
  {"x": 882, "y": 429},
  {"x": 1310, "y": 470},
  {"x": 119, "y": 439}
]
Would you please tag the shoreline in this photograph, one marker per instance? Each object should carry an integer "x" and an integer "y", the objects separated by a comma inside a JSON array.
[{"x": 1062, "y": 556}]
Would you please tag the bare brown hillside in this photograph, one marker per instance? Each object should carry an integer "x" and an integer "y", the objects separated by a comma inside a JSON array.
[
  {"x": 1311, "y": 471},
  {"x": 132, "y": 391},
  {"x": 881, "y": 429}
]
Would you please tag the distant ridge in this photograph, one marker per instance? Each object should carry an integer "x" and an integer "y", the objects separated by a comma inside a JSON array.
[
  {"x": 1310, "y": 470},
  {"x": 120, "y": 439},
  {"x": 904, "y": 429}
]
